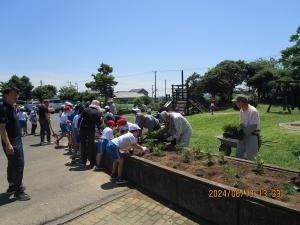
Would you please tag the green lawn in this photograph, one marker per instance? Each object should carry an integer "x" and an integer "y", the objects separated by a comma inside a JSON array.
[{"x": 278, "y": 143}]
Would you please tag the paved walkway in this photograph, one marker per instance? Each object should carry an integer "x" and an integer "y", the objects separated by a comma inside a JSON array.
[{"x": 133, "y": 208}]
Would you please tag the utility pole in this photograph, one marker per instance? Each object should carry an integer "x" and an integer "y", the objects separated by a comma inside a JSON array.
[
  {"x": 182, "y": 83},
  {"x": 41, "y": 83},
  {"x": 155, "y": 85},
  {"x": 165, "y": 88},
  {"x": 152, "y": 91},
  {"x": 76, "y": 86}
]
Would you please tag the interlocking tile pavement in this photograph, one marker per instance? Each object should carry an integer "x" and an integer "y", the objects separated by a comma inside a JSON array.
[{"x": 132, "y": 209}]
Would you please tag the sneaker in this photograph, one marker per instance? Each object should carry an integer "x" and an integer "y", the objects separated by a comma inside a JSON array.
[
  {"x": 89, "y": 167},
  {"x": 99, "y": 168},
  {"x": 42, "y": 143},
  {"x": 49, "y": 142},
  {"x": 113, "y": 177},
  {"x": 21, "y": 196},
  {"x": 120, "y": 180},
  {"x": 11, "y": 190}
]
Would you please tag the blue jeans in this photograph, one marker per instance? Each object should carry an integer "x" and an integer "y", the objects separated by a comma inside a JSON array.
[{"x": 15, "y": 166}]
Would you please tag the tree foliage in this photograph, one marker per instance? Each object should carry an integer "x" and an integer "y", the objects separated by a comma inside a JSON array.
[
  {"x": 22, "y": 83},
  {"x": 142, "y": 100},
  {"x": 290, "y": 56},
  {"x": 104, "y": 81},
  {"x": 224, "y": 77},
  {"x": 67, "y": 93},
  {"x": 44, "y": 92}
]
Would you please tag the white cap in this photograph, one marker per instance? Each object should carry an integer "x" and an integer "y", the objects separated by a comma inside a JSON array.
[
  {"x": 106, "y": 107},
  {"x": 136, "y": 110},
  {"x": 95, "y": 104},
  {"x": 133, "y": 127},
  {"x": 163, "y": 115}
]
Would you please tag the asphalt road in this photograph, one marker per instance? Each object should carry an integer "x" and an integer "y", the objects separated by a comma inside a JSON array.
[{"x": 55, "y": 189}]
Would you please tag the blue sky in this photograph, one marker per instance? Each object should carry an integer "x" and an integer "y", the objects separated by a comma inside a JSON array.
[{"x": 60, "y": 40}]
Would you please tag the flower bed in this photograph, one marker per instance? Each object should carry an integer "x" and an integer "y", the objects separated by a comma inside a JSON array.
[{"x": 230, "y": 193}]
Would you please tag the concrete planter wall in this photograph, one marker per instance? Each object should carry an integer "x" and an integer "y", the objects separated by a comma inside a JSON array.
[{"x": 191, "y": 193}]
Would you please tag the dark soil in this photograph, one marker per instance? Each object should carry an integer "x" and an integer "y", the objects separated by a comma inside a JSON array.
[{"x": 268, "y": 184}]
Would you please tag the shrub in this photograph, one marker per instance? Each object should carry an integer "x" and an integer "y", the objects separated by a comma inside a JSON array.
[{"x": 259, "y": 164}]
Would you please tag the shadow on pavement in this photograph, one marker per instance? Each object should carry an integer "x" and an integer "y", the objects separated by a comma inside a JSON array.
[
  {"x": 36, "y": 145},
  {"x": 4, "y": 199},
  {"x": 110, "y": 185}
]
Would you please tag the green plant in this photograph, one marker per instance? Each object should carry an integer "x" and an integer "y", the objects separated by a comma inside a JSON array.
[
  {"x": 186, "y": 154},
  {"x": 230, "y": 170},
  {"x": 236, "y": 184},
  {"x": 157, "y": 151},
  {"x": 233, "y": 130},
  {"x": 178, "y": 147},
  {"x": 197, "y": 152},
  {"x": 209, "y": 158},
  {"x": 259, "y": 164},
  {"x": 289, "y": 189},
  {"x": 222, "y": 157}
]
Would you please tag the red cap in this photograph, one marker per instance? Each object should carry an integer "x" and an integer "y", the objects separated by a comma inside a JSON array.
[
  {"x": 67, "y": 108},
  {"x": 121, "y": 122},
  {"x": 111, "y": 123}
]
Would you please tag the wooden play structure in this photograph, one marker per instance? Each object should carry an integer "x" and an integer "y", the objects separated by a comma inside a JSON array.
[{"x": 181, "y": 100}]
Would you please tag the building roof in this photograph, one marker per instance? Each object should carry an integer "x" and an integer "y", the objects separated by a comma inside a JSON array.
[
  {"x": 138, "y": 90},
  {"x": 127, "y": 94}
]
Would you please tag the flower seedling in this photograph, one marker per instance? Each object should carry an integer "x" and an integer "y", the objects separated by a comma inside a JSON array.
[
  {"x": 186, "y": 154},
  {"x": 230, "y": 170},
  {"x": 259, "y": 164},
  {"x": 197, "y": 152},
  {"x": 222, "y": 157},
  {"x": 289, "y": 189},
  {"x": 209, "y": 158}
]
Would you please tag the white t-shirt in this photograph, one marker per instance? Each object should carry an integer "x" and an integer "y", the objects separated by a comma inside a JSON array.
[
  {"x": 63, "y": 118},
  {"x": 124, "y": 141},
  {"x": 75, "y": 121},
  {"x": 107, "y": 134},
  {"x": 22, "y": 116},
  {"x": 250, "y": 116}
]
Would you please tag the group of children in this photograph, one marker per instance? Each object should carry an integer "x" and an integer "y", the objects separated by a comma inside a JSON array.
[
  {"x": 23, "y": 117},
  {"x": 116, "y": 136}
]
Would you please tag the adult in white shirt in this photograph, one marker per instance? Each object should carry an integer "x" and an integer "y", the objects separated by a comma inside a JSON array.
[{"x": 247, "y": 148}]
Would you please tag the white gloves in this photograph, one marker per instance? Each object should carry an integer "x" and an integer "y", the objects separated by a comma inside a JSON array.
[
  {"x": 145, "y": 149},
  {"x": 170, "y": 138}
]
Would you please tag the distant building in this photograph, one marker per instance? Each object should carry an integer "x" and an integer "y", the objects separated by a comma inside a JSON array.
[
  {"x": 127, "y": 96},
  {"x": 140, "y": 90}
]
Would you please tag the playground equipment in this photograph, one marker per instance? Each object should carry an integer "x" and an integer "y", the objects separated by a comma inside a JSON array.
[{"x": 287, "y": 91}]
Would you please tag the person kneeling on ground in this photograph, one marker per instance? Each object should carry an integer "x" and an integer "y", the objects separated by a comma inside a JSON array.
[
  {"x": 147, "y": 121},
  {"x": 107, "y": 135},
  {"x": 116, "y": 148},
  {"x": 178, "y": 127}
]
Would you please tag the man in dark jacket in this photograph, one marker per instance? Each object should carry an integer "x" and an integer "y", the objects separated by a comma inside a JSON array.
[
  {"x": 90, "y": 119},
  {"x": 44, "y": 119},
  {"x": 12, "y": 144}
]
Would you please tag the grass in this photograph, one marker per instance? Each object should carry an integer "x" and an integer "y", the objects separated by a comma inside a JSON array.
[{"x": 278, "y": 144}]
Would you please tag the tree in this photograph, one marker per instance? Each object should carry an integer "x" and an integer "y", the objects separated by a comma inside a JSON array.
[
  {"x": 290, "y": 56},
  {"x": 224, "y": 77},
  {"x": 67, "y": 93},
  {"x": 142, "y": 100},
  {"x": 22, "y": 83},
  {"x": 195, "y": 86},
  {"x": 85, "y": 96},
  {"x": 262, "y": 81},
  {"x": 104, "y": 81},
  {"x": 44, "y": 92}
]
